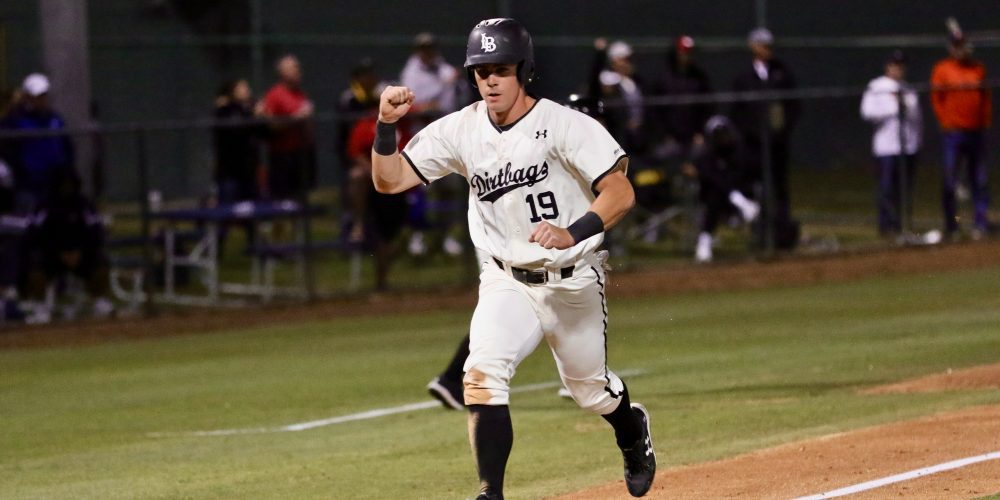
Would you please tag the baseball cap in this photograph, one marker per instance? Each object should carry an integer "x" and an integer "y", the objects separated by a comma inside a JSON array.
[
  {"x": 761, "y": 36},
  {"x": 897, "y": 57},
  {"x": 36, "y": 84},
  {"x": 684, "y": 43},
  {"x": 956, "y": 38},
  {"x": 424, "y": 39},
  {"x": 717, "y": 122},
  {"x": 619, "y": 49},
  {"x": 365, "y": 66}
]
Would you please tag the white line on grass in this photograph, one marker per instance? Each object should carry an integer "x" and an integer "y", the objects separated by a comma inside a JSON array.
[
  {"x": 926, "y": 471},
  {"x": 365, "y": 415}
]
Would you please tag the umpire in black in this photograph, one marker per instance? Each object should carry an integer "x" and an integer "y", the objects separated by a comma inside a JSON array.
[{"x": 770, "y": 121}]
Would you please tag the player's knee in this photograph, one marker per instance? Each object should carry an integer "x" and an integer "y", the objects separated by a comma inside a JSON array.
[
  {"x": 486, "y": 385},
  {"x": 595, "y": 396}
]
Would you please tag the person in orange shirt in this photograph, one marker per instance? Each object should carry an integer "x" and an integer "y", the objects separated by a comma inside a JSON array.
[{"x": 962, "y": 107}]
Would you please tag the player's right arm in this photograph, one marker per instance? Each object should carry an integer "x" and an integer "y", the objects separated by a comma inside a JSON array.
[{"x": 390, "y": 171}]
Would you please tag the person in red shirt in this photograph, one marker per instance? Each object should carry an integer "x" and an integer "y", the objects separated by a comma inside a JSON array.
[
  {"x": 962, "y": 107},
  {"x": 378, "y": 217},
  {"x": 292, "y": 159}
]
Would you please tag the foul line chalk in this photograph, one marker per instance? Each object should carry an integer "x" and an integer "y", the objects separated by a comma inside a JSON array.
[
  {"x": 926, "y": 471},
  {"x": 365, "y": 415}
]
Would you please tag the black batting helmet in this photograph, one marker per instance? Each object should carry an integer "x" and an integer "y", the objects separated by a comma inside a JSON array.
[{"x": 501, "y": 41}]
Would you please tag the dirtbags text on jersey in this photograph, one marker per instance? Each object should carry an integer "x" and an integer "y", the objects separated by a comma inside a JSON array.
[{"x": 491, "y": 187}]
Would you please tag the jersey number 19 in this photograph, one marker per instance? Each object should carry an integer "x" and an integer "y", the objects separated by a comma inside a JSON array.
[{"x": 547, "y": 202}]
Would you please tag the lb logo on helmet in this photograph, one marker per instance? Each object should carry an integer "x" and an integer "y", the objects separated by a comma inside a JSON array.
[{"x": 489, "y": 43}]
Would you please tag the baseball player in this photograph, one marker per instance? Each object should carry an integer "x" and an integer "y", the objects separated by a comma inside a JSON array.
[
  {"x": 447, "y": 387},
  {"x": 545, "y": 183}
]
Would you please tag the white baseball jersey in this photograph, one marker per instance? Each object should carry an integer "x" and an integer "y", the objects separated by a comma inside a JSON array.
[{"x": 544, "y": 166}]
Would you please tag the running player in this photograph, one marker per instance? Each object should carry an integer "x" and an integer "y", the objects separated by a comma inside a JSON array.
[{"x": 545, "y": 183}]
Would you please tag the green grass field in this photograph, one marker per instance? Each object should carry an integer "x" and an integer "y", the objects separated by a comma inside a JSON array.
[{"x": 723, "y": 373}]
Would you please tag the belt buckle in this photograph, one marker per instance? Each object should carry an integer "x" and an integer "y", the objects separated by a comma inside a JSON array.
[{"x": 531, "y": 276}]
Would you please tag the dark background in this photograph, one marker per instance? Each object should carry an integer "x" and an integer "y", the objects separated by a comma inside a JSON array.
[{"x": 156, "y": 60}]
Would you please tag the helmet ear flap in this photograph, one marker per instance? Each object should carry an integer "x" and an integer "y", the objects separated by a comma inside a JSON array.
[
  {"x": 472, "y": 77},
  {"x": 525, "y": 73}
]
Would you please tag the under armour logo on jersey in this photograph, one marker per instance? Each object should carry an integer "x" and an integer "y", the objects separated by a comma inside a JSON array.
[
  {"x": 539, "y": 134},
  {"x": 489, "y": 43}
]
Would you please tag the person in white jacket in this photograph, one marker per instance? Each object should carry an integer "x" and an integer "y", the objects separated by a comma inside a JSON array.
[
  {"x": 440, "y": 89},
  {"x": 432, "y": 79},
  {"x": 888, "y": 102}
]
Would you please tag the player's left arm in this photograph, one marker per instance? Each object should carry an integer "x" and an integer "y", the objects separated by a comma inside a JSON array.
[{"x": 615, "y": 198}]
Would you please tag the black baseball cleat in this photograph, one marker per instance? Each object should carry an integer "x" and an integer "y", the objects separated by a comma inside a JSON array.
[
  {"x": 640, "y": 460},
  {"x": 448, "y": 392},
  {"x": 488, "y": 495}
]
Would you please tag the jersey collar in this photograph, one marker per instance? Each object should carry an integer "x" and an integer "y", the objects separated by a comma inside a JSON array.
[{"x": 510, "y": 125}]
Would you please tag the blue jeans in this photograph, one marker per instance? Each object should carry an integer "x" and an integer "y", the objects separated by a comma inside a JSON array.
[
  {"x": 971, "y": 146},
  {"x": 891, "y": 206}
]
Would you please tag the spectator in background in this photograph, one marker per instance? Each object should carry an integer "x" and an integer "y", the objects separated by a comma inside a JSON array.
[
  {"x": 237, "y": 150},
  {"x": 770, "y": 121},
  {"x": 363, "y": 90},
  {"x": 7, "y": 199},
  {"x": 292, "y": 156},
  {"x": 962, "y": 107},
  {"x": 12, "y": 229},
  {"x": 721, "y": 168},
  {"x": 613, "y": 79},
  {"x": 68, "y": 239},
  {"x": 7, "y": 195},
  {"x": 887, "y": 103},
  {"x": 9, "y": 99},
  {"x": 236, "y": 144},
  {"x": 36, "y": 161},
  {"x": 685, "y": 123},
  {"x": 355, "y": 101},
  {"x": 435, "y": 83},
  {"x": 356, "y": 104},
  {"x": 379, "y": 217}
]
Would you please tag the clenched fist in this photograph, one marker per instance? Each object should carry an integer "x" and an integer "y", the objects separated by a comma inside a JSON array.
[
  {"x": 394, "y": 104},
  {"x": 549, "y": 236}
]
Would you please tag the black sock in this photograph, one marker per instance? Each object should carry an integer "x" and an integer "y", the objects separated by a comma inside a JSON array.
[
  {"x": 628, "y": 427},
  {"x": 492, "y": 435},
  {"x": 454, "y": 371}
]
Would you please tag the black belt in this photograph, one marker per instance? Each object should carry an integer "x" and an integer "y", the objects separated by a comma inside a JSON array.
[{"x": 529, "y": 277}]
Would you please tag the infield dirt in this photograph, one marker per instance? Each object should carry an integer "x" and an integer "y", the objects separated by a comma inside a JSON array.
[{"x": 841, "y": 460}]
